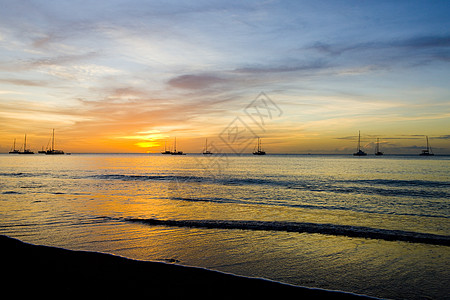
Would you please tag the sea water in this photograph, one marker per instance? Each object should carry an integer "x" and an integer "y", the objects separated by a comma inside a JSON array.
[{"x": 371, "y": 225}]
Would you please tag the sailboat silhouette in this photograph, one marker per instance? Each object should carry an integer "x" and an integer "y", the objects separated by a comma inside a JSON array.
[
  {"x": 25, "y": 150},
  {"x": 427, "y": 152},
  {"x": 53, "y": 151},
  {"x": 206, "y": 151},
  {"x": 377, "y": 150},
  {"x": 165, "y": 150},
  {"x": 14, "y": 150},
  {"x": 259, "y": 151},
  {"x": 175, "y": 152},
  {"x": 359, "y": 152}
]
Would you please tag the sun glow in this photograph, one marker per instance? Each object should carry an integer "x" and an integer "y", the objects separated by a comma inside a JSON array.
[
  {"x": 146, "y": 139},
  {"x": 148, "y": 144}
]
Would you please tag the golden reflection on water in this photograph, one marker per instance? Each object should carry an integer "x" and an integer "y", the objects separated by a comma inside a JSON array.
[
  {"x": 65, "y": 205},
  {"x": 302, "y": 259}
]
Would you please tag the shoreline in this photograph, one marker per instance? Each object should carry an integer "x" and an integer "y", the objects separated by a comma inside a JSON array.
[{"x": 34, "y": 269}]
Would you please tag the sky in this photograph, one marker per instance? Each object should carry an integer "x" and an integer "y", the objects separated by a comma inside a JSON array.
[{"x": 304, "y": 76}]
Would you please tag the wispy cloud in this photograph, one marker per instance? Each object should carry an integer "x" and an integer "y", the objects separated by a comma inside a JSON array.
[
  {"x": 399, "y": 137},
  {"x": 280, "y": 68},
  {"x": 417, "y": 42},
  {"x": 424, "y": 48},
  {"x": 58, "y": 60},
  {"x": 196, "y": 81},
  {"x": 442, "y": 137},
  {"x": 23, "y": 82}
]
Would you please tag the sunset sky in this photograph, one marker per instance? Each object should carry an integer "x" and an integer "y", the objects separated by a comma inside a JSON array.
[{"x": 125, "y": 76}]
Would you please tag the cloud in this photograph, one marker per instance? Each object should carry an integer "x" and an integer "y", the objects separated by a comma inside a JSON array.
[
  {"x": 140, "y": 117},
  {"x": 60, "y": 59},
  {"x": 419, "y": 42},
  {"x": 196, "y": 82},
  {"x": 424, "y": 48},
  {"x": 442, "y": 137},
  {"x": 126, "y": 93},
  {"x": 401, "y": 137},
  {"x": 283, "y": 68},
  {"x": 66, "y": 66},
  {"x": 24, "y": 82}
]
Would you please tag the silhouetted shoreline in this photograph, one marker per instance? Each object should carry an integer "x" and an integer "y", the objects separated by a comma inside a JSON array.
[{"x": 35, "y": 270}]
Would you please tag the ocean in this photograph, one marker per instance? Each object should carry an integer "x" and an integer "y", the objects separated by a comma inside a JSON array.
[{"x": 371, "y": 225}]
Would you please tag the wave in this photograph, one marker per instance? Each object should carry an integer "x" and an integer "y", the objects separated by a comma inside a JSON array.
[
  {"x": 11, "y": 193},
  {"x": 230, "y": 180},
  {"x": 145, "y": 177},
  {"x": 383, "y": 187},
  {"x": 372, "y": 190},
  {"x": 300, "y": 227},
  {"x": 321, "y": 206},
  {"x": 17, "y": 174},
  {"x": 399, "y": 183}
]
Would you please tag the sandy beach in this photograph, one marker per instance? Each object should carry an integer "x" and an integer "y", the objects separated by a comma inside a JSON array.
[{"x": 33, "y": 270}]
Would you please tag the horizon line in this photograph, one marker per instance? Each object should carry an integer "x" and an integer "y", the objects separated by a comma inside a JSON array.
[{"x": 239, "y": 154}]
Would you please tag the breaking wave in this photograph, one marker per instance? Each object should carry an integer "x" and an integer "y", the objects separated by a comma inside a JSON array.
[{"x": 300, "y": 227}]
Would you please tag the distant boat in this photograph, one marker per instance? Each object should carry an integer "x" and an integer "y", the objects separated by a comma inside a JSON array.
[
  {"x": 14, "y": 150},
  {"x": 377, "y": 151},
  {"x": 259, "y": 150},
  {"x": 175, "y": 152},
  {"x": 52, "y": 151},
  {"x": 427, "y": 152},
  {"x": 206, "y": 151},
  {"x": 359, "y": 152},
  {"x": 25, "y": 150},
  {"x": 42, "y": 151},
  {"x": 165, "y": 150}
]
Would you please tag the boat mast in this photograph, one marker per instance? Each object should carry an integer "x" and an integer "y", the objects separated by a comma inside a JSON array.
[
  {"x": 25, "y": 143},
  {"x": 53, "y": 139},
  {"x": 175, "y": 145},
  {"x": 428, "y": 147},
  {"x": 359, "y": 140}
]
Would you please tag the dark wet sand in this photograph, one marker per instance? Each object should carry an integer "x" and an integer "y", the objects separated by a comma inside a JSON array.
[{"x": 31, "y": 270}]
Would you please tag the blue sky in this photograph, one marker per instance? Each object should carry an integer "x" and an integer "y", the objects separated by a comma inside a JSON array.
[{"x": 126, "y": 75}]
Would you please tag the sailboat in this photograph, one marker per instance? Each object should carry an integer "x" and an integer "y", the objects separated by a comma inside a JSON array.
[
  {"x": 25, "y": 150},
  {"x": 427, "y": 152},
  {"x": 14, "y": 150},
  {"x": 52, "y": 151},
  {"x": 175, "y": 152},
  {"x": 206, "y": 151},
  {"x": 259, "y": 150},
  {"x": 165, "y": 150},
  {"x": 359, "y": 152},
  {"x": 377, "y": 151}
]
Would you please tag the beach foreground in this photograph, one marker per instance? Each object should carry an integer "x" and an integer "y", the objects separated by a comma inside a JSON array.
[{"x": 33, "y": 270}]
